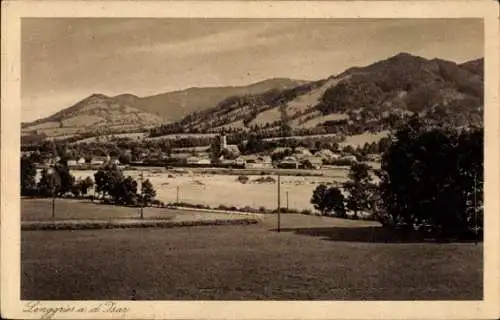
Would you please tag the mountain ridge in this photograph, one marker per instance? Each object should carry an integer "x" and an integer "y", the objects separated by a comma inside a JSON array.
[
  {"x": 159, "y": 108},
  {"x": 398, "y": 84},
  {"x": 403, "y": 83},
  {"x": 174, "y": 105}
]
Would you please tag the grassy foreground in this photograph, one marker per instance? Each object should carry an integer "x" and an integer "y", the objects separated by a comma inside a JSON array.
[{"x": 312, "y": 258}]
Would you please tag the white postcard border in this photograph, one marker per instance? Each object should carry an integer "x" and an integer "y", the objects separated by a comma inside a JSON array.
[{"x": 13, "y": 11}]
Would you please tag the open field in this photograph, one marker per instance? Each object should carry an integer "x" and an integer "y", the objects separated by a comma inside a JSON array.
[
  {"x": 67, "y": 209},
  {"x": 182, "y": 135},
  {"x": 216, "y": 186},
  {"x": 312, "y": 258},
  {"x": 104, "y": 138},
  {"x": 197, "y": 187},
  {"x": 41, "y": 209},
  {"x": 359, "y": 140}
]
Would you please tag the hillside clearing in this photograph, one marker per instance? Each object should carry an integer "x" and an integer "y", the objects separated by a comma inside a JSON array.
[
  {"x": 268, "y": 116},
  {"x": 360, "y": 139},
  {"x": 320, "y": 119}
]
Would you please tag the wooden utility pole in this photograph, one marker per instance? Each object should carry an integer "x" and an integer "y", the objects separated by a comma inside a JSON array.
[
  {"x": 142, "y": 195},
  {"x": 475, "y": 210},
  {"x": 287, "y": 208},
  {"x": 177, "y": 199},
  {"x": 279, "y": 203},
  {"x": 53, "y": 205},
  {"x": 52, "y": 173}
]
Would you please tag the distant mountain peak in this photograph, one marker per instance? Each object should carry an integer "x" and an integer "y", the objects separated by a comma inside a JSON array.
[
  {"x": 126, "y": 95},
  {"x": 405, "y": 54},
  {"x": 97, "y": 96}
]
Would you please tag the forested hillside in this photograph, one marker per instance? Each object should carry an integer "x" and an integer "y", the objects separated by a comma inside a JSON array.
[{"x": 370, "y": 98}]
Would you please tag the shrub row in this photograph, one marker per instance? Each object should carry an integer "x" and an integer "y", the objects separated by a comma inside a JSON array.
[
  {"x": 246, "y": 209},
  {"x": 140, "y": 224}
]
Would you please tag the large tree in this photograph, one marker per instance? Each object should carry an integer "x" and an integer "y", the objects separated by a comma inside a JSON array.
[
  {"x": 28, "y": 175},
  {"x": 80, "y": 188},
  {"x": 148, "y": 192},
  {"x": 359, "y": 188},
  {"x": 107, "y": 179},
  {"x": 66, "y": 178},
  {"x": 49, "y": 184},
  {"x": 432, "y": 175},
  {"x": 328, "y": 200},
  {"x": 125, "y": 192}
]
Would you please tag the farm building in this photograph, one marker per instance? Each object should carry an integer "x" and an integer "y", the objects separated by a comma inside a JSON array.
[
  {"x": 253, "y": 161},
  {"x": 349, "y": 158},
  {"x": 114, "y": 161},
  {"x": 71, "y": 163},
  {"x": 226, "y": 163},
  {"x": 299, "y": 156},
  {"x": 177, "y": 159},
  {"x": 157, "y": 156},
  {"x": 204, "y": 161},
  {"x": 312, "y": 163},
  {"x": 52, "y": 161},
  {"x": 183, "y": 155},
  {"x": 240, "y": 162},
  {"x": 198, "y": 161},
  {"x": 289, "y": 163},
  {"x": 266, "y": 160},
  {"x": 374, "y": 157},
  {"x": 302, "y": 151},
  {"x": 99, "y": 160},
  {"x": 232, "y": 149},
  {"x": 280, "y": 150},
  {"x": 327, "y": 155}
]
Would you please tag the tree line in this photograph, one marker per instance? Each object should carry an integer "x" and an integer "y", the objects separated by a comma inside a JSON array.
[
  {"x": 110, "y": 184},
  {"x": 431, "y": 178}
]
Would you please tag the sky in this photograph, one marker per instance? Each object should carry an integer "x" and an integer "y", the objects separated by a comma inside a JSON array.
[{"x": 64, "y": 60}]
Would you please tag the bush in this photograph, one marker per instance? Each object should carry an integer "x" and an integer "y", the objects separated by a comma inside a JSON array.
[
  {"x": 243, "y": 179},
  {"x": 249, "y": 209},
  {"x": 306, "y": 211},
  {"x": 265, "y": 180},
  {"x": 282, "y": 210},
  {"x": 368, "y": 217},
  {"x": 187, "y": 205},
  {"x": 341, "y": 162},
  {"x": 327, "y": 200}
]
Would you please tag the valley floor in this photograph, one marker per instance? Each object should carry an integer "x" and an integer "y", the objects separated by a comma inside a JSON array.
[{"x": 196, "y": 187}]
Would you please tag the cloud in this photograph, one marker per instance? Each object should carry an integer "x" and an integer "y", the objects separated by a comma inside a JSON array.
[
  {"x": 64, "y": 60},
  {"x": 231, "y": 40}
]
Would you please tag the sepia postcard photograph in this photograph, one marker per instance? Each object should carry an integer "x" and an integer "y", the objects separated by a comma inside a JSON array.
[{"x": 192, "y": 154}]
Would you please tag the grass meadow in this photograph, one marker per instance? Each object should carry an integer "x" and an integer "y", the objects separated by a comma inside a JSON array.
[{"x": 312, "y": 258}]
